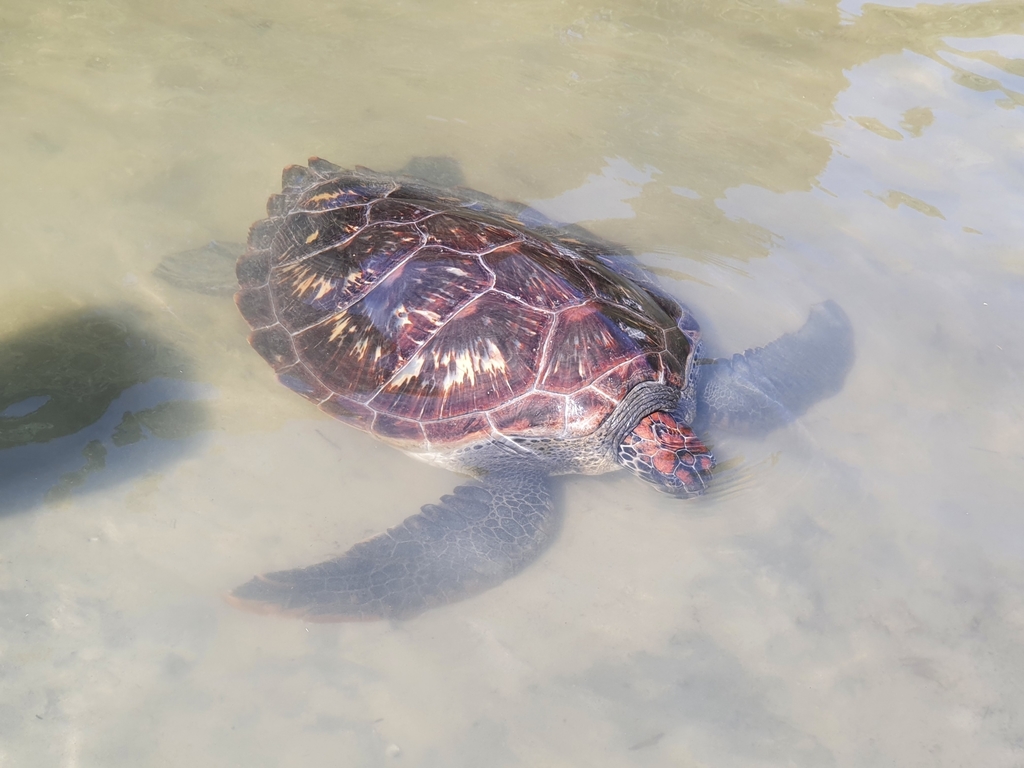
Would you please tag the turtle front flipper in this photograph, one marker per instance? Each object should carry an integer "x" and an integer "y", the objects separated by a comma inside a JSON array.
[
  {"x": 473, "y": 540},
  {"x": 764, "y": 388}
]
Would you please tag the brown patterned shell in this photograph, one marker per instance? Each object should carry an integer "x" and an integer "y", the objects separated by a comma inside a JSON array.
[{"x": 433, "y": 318}]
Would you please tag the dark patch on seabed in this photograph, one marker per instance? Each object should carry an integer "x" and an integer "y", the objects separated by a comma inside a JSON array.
[{"x": 81, "y": 397}]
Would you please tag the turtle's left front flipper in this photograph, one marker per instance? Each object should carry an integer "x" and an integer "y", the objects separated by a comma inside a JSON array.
[
  {"x": 764, "y": 388},
  {"x": 473, "y": 540}
]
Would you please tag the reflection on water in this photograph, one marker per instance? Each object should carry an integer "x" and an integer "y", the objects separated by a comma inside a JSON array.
[{"x": 852, "y": 597}]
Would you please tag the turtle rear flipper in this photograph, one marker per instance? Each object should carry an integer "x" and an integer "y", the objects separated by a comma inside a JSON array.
[
  {"x": 209, "y": 270},
  {"x": 473, "y": 540},
  {"x": 762, "y": 389}
]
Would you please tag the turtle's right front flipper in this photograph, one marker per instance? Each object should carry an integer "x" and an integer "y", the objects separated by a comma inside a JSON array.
[{"x": 473, "y": 540}]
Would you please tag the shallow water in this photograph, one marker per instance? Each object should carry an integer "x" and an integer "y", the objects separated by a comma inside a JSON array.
[{"x": 849, "y": 594}]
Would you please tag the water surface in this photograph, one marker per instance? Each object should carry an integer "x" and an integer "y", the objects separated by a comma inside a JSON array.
[{"x": 850, "y": 593}]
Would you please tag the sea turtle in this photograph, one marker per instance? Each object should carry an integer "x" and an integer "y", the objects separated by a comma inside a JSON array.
[{"x": 480, "y": 337}]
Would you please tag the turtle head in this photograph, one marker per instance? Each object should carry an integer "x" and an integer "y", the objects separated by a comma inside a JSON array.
[{"x": 667, "y": 454}]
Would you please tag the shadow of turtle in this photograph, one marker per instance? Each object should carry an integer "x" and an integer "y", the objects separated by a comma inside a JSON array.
[{"x": 87, "y": 400}]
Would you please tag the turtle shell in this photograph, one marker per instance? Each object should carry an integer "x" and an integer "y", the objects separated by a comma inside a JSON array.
[{"x": 433, "y": 317}]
